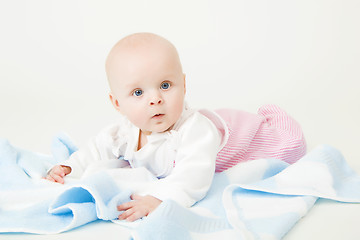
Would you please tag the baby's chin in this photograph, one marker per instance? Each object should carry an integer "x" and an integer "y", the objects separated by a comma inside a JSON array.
[{"x": 162, "y": 129}]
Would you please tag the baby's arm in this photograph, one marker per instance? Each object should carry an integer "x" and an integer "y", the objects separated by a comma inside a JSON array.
[
  {"x": 57, "y": 173},
  {"x": 97, "y": 154},
  {"x": 194, "y": 169},
  {"x": 189, "y": 180},
  {"x": 139, "y": 207}
]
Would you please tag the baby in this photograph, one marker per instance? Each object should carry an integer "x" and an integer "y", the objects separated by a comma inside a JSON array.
[{"x": 181, "y": 146}]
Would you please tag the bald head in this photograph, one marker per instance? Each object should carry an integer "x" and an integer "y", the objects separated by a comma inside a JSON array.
[
  {"x": 140, "y": 39},
  {"x": 137, "y": 48}
]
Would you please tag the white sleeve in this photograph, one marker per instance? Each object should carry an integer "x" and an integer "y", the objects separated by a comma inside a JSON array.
[
  {"x": 194, "y": 168},
  {"x": 96, "y": 155}
]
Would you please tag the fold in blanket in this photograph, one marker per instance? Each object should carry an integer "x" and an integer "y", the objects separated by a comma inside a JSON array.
[
  {"x": 260, "y": 199},
  {"x": 95, "y": 198}
]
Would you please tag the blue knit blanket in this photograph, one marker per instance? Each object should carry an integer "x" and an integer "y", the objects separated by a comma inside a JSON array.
[{"x": 259, "y": 199}]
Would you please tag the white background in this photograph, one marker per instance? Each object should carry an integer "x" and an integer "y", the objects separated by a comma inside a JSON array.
[{"x": 301, "y": 55}]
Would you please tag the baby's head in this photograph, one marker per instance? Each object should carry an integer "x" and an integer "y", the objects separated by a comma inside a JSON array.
[{"x": 146, "y": 81}]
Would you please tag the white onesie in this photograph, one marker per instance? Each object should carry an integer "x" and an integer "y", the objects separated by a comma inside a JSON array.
[{"x": 183, "y": 159}]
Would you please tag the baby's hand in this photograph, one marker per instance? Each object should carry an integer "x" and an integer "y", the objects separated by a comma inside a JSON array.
[
  {"x": 138, "y": 208},
  {"x": 57, "y": 173}
]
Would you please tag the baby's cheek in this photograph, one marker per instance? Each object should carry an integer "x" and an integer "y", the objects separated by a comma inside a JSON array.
[{"x": 177, "y": 106}]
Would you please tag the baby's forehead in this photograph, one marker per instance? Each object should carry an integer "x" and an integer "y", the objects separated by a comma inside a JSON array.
[
  {"x": 137, "y": 50},
  {"x": 141, "y": 51},
  {"x": 128, "y": 56}
]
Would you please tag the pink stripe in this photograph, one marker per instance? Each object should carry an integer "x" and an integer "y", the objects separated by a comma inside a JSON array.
[{"x": 269, "y": 134}]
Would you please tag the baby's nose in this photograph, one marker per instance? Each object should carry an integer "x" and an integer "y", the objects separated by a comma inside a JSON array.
[{"x": 156, "y": 100}]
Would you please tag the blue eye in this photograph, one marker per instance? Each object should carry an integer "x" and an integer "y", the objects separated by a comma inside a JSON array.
[
  {"x": 138, "y": 92},
  {"x": 165, "y": 85}
]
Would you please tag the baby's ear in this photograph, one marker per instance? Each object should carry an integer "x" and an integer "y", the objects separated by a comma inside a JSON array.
[{"x": 114, "y": 101}]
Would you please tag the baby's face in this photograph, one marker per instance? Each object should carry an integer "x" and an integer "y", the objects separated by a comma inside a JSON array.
[{"x": 148, "y": 86}]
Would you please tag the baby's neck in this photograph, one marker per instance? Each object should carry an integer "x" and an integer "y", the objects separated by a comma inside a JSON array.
[{"x": 142, "y": 139}]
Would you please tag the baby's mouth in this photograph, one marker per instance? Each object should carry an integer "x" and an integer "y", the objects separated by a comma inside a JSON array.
[{"x": 158, "y": 115}]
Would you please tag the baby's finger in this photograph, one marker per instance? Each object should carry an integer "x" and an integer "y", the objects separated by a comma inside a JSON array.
[
  {"x": 125, "y": 214},
  {"x": 57, "y": 178},
  {"x": 135, "y": 216},
  {"x": 58, "y": 170},
  {"x": 48, "y": 177},
  {"x": 125, "y": 206},
  {"x": 136, "y": 197},
  {"x": 66, "y": 170}
]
